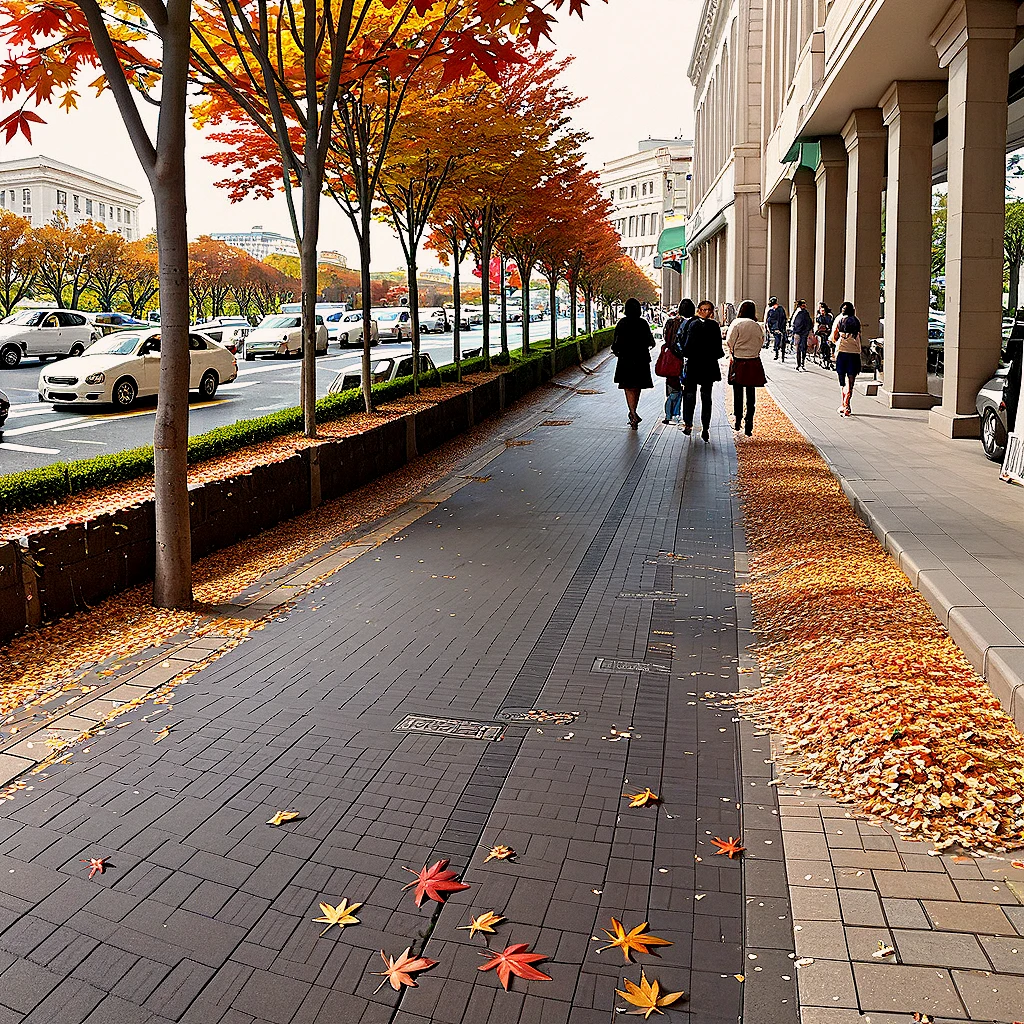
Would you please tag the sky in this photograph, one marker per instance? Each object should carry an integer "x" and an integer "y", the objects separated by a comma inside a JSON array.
[{"x": 630, "y": 64}]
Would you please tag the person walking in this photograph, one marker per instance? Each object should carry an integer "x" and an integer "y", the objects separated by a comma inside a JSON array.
[
  {"x": 801, "y": 332},
  {"x": 632, "y": 346},
  {"x": 822, "y": 330},
  {"x": 702, "y": 348},
  {"x": 746, "y": 373},
  {"x": 846, "y": 335},
  {"x": 675, "y": 328},
  {"x": 775, "y": 321}
]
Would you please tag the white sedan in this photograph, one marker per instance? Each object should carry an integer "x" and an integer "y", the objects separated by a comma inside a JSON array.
[
  {"x": 346, "y": 328},
  {"x": 124, "y": 366},
  {"x": 280, "y": 334},
  {"x": 44, "y": 333}
]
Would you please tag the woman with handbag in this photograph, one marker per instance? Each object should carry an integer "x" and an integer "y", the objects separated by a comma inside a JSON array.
[
  {"x": 632, "y": 346},
  {"x": 846, "y": 335},
  {"x": 670, "y": 362},
  {"x": 746, "y": 373}
]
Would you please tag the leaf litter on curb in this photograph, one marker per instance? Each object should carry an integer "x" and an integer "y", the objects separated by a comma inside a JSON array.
[{"x": 863, "y": 685}]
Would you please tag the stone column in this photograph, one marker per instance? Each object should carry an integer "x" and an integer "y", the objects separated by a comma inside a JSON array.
[
  {"x": 722, "y": 291},
  {"x": 908, "y": 111},
  {"x": 830, "y": 228},
  {"x": 973, "y": 41},
  {"x": 778, "y": 254},
  {"x": 865, "y": 139},
  {"x": 801, "y": 238}
]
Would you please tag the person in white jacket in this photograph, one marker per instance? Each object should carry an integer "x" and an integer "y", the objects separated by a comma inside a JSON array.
[{"x": 746, "y": 373}]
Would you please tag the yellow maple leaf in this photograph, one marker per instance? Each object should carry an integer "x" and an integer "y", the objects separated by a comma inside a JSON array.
[
  {"x": 341, "y": 915},
  {"x": 280, "y": 817},
  {"x": 500, "y": 853},
  {"x": 633, "y": 941},
  {"x": 647, "y": 996},
  {"x": 643, "y": 798},
  {"x": 483, "y": 923}
]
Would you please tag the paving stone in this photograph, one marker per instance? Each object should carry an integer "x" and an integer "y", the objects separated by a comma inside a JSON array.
[
  {"x": 1006, "y": 955},
  {"x": 827, "y": 983},
  {"x": 898, "y": 988},
  {"x": 940, "y": 949},
  {"x": 915, "y": 885},
  {"x": 990, "y": 997},
  {"x": 978, "y": 918}
]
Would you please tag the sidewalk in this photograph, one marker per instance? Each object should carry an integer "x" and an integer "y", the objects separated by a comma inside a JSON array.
[
  {"x": 494, "y": 665},
  {"x": 939, "y": 508}
]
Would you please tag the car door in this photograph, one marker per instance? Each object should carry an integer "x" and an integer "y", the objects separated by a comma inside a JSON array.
[
  {"x": 147, "y": 367},
  {"x": 404, "y": 367},
  {"x": 198, "y": 359},
  {"x": 44, "y": 340},
  {"x": 75, "y": 330}
]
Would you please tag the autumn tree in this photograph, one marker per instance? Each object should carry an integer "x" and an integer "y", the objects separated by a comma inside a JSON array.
[
  {"x": 68, "y": 258},
  {"x": 141, "y": 274},
  {"x": 19, "y": 260},
  {"x": 110, "y": 269}
]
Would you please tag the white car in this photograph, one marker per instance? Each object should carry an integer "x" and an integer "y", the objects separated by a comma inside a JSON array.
[
  {"x": 347, "y": 328},
  {"x": 382, "y": 369},
  {"x": 43, "y": 333},
  {"x": 280, "y": 334},
  {"x": 393, "y": 322},
  {"x": 230, "y": 331},
  {"x": 124, "y": 366}
]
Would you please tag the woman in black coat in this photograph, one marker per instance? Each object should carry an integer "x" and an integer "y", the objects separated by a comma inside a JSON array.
[
  {"x": 632, "y": 345},
  {"x": 702, "y": 348}
]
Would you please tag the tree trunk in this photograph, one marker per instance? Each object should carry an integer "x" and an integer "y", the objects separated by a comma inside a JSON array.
[
  {"x": 485, "y": 292},
  {"x": 414, "y": 315},
  {"x": 364, "y": 282},
  {"x": 308, "y": 274},
  {"x": 572, "y": 308},
  {"x": 504, "y": 309},
  {"x": 457, "y": 299},
  {"x": 525, "y": 273},
  {"x": 553, "y": 301},
  {"x": 588, "y": 322},
  {"x": 172, "y": 581}
]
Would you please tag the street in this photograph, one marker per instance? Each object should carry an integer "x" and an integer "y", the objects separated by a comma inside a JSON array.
[{"x": 37, "y": 434}]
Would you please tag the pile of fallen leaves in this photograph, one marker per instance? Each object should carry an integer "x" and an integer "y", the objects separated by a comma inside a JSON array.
[{"x": 863, "y": 684}]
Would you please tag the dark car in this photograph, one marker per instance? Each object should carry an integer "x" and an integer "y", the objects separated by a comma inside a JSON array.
[
  {"x": 110, "y": 322},
  {"x": 5, "y": 408}
]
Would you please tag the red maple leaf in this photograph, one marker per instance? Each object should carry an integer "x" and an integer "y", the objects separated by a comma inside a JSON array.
[
  {"x": 515, "y": 959},
  {"x": 97, "y": 865},
  {"x": 435, "y": 882}
]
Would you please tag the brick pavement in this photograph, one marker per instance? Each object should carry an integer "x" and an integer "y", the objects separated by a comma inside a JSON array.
[{"x": 591, "y": 572}]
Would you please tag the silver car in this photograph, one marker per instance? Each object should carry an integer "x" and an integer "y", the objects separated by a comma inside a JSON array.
[
  {"x": 992, "y": 410},
  {"x": 390, "y": 368}
]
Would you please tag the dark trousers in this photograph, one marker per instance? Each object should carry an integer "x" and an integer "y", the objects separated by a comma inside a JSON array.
[
  {"x": 690, "y": 404},
  {"x": 801, "y": 349},
  {"x": 780, "y": 344},
  {"x": 737, "y": 404}
]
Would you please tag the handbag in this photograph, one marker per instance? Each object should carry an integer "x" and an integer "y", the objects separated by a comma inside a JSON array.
[
  {"x": 730, "y": 376},
  {"x": 668, "y": 364}
]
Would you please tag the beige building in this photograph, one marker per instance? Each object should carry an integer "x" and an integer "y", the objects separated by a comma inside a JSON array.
[
  {"x": 645, "y": 188},
  {"x": 865, "y": 105},
  {"x": 258, "y": 243},
  {"x": 38, "y": 187},
  {"x": 726, "y": 239}
]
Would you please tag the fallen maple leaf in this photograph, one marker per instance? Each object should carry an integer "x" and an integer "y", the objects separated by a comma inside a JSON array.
[
  {"x": 434, "y": 882},
  {"x": 400, "y": 971},
  {"x": 633, "y": 941},
  {"x": 483, "y": 923},
  {"x": 643, "y": 798},
  {"x": 162, "y": 735},
  {"x": 730, "y": 847},
  {"x": 280, "y": 817},
  {"x": 500, "y": 853},
  {"x": 97, "y": 865},
  {"x": 341, "y": 915},
  {"x": 647, "y": 996},
  {"x": 515, "y": 959}
]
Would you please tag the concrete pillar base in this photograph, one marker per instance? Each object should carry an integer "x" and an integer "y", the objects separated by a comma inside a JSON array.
[
  {"x": 869, "y": 388},
  {"x": 910, "y": 400},
  {"x": 955, "y": 426}
]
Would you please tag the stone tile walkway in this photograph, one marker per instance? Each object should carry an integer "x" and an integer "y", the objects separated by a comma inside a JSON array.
[{"x": 497, "y": 664}]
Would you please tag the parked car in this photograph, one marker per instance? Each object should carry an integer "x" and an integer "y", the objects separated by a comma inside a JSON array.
[
  {"x": 992, "y": 411},
  {"x": 44, "y": 333},
  {"x": 122, "y": 367},
  {"x": 393, "y": 322},
  {"x": 280, "y": 334},
  {"x": 475, "y": 314},
  {"x": 464, "y": 323},
  {"x": 5, "y": 408},
  {"x": 434, "y": 321},
  {"x": 107, "y": 323},
  {"x": 230, "y": 331},
  {"x": 347, "y": 328},
  {"x": 390, "y": 368}
]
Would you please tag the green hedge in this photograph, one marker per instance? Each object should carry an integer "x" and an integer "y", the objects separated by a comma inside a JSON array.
[{"x": 34, "y": 487}]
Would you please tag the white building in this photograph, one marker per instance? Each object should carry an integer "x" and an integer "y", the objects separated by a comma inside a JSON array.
[
  {"x": 258, "y": 243},
  {"x": 38, "y": 187},
  {"x": 644, "y": 188}
]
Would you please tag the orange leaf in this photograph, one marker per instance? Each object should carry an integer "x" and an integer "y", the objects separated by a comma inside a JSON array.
[
  {"x": 731, "y": 847},
  {"x": 434, "y": 882},
  {"x": 400, "y": 971}
]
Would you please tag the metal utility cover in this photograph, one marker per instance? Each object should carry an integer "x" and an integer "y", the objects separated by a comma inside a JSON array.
[{"x": 458, "y": 728}]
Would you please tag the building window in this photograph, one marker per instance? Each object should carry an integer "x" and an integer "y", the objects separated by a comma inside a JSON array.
[
  {"x": 651, "y": 186},
  {"x": 26, "y": 200},
  {"x": 632, "y": 191},
  {"x": 76, "y": 204},
  {"x": 88, "y": 207},
  {"x": 643, "y": 224},
  {"x": 622, "y": 193},
  {"x": 119, "y": 215},
  {"x": 62, "y": 198},
  {"x": 128, "y": 233},
  {"x": 127, "y": 216},
  {"x": 668, "y": 184}
]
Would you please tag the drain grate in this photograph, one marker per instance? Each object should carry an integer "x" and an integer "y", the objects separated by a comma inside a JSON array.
[
  {"x": 617, "y": 665},
  {"x": 546, "y": 715},
  {"x": 459, "y": 728}
]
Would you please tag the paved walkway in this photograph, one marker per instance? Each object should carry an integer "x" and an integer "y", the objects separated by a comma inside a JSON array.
[{"x": 495, "y": 665}]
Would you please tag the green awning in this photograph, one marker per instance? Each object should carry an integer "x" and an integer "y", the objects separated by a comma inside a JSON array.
[
  {"x": 672, "y": 238},
  {"x": 806, "y": 154}
]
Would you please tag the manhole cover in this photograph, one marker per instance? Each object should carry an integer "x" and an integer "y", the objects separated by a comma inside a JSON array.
[
  {"x": 617, "y": 665},
  {"x": 647, "y": 595},
  {"x": 461, "y": 728},
  {"x": 547, "y": 715}
]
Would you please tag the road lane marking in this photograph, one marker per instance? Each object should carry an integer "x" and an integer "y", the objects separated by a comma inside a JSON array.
[
  {"x": 36, "y": 409},
  {"x": 29, "y": 449},
  {"x": 33, "y": 427},
  {"x": 102, "y": 417}
]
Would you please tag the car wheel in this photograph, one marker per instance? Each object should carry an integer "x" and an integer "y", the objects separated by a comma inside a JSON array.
[
  {"x": 10, "y": 356},
  {"x": 250, "y": 358},
  {"x": 208, "y": 385},
  {"x": 124, "y": 393},
  {"x": 993, "y": 436},
  {"x": 77, "y": 349}
]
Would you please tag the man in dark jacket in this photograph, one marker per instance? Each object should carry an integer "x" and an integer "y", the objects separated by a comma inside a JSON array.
[
  {"x": 702, "y": 348},
  {"x": 775, "y": 321},
  {"x": 802, "y": 327}
]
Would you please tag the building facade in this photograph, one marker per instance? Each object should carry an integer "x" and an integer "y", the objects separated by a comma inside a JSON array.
[
  {"x": 726, "y": 233},
  {"x": 38, "y": 188},
  {"x": 258, "y": 243},
  {"x": 644, "y": 188},
  {"x": 866, "y": 106}
]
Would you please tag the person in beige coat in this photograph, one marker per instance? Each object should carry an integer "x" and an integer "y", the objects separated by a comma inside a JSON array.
[{"x": 746, "y": 374}]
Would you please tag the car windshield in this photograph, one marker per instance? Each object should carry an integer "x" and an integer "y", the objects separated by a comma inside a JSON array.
[
  {"x": 280, "y": 321},
  {"x": 27, "y": 318},
  {"x": 121, "y": 344}
]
